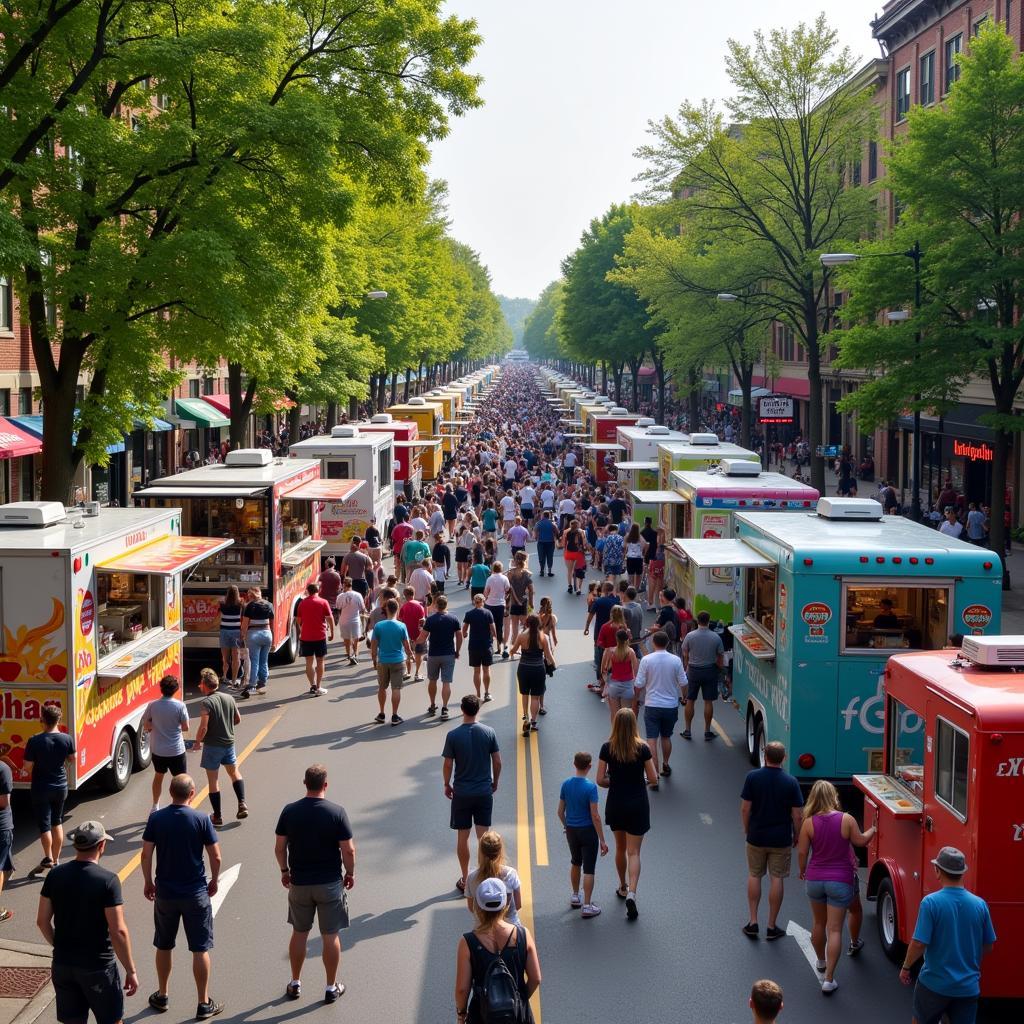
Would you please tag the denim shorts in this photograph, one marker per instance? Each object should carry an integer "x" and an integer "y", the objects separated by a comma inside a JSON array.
[
  {"x": 619, "y": 690},
  {"x": 213, "y": 756},
  {"x": 231, "y": 639},
  {"x": 660, "y": 721},
  {"x": 834, "y": 894}
]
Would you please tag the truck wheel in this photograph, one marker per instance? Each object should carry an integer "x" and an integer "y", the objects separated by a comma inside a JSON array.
[
  {"x": 887, "y": 917},
  {"x": 142, "y": 751},
  {"x": 755, "y": 738},
  {"x": 116, "y": 777},
  {"x": 289, "y": 650}
]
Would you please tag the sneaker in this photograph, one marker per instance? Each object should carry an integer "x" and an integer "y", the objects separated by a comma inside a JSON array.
[
  {"x": 293, "y": 990},
  {"x": 312, "y": 691},
  {"x": 504, "y": 655},
  {"x": 379, "y": 718},
  {"x": 543, "y": 710},
  {"x": 260, "y": 690},
  {"x": 159, "y": 1003},
  {"x": 216, "y": 820},
  {"x": 709, "y": 736},
  {"x": 351, "y": 661},
  {"x": 487, "y": 697},
  {"x": 243, "y": 811},
  {"x": 686, "y": 734},
  {"x": 775, "y": 933},
  {"x": 533, "y": 724},
  {"x": 526, "y": 727},
  {"x": 576, "y": 901},
  {"x": 334, "y": 993},
  {"x": 397, "y": 719},
  {"x": 204, "y": 1011},
  {"x": 444, "y": 714},
  {"x": 244, "y": 695},
  {"x": 417, "y": 678},
  {"x": 431, "y": 711},
  {"x": 751, "y": 930},
  {"x": 828, "y": 987},
  {"x": 666, "y": 770},
  {"x": 591, "y": 910},
  {"x": 631, "y": 911},
  {"x": 855, "y": 947}
]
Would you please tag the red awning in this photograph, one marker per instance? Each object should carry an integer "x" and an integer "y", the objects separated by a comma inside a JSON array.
[
  {"x": 324, "y": 490},
  {"x": 223, "y": 403},
  {"x": 166, "y": 556},
  {"x": 15, "y": 442},
  {"x": 793, "y": 386}
]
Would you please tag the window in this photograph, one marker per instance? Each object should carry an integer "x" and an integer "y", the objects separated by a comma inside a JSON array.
[
  {"x": 855, "y": 177},
  {"x": 5, "y": 401},
  {"x": 872, "y": 160},
  {"x": 27, "y": 479},
  {"x": 904, "y": 745},
  {"x": 133, "y": 606},
  {"x": 385, "y": 457},
  {"x": 24, "y": 401},
  {"x": 339, "y": 469},
  {"x": 1009, "y": 16},
  {"x": 6, "y": 305},
  {"x": 880, "y": 617},
  {"x": 902, "y": 93},
  {"x": 952, "y": 70},
  {"x": 193, "y": 387},
  {"x": 926, "y": 80},
  {"x": 760, "y": 608},
  {"x": 977, "y": 25},
  {"x": 208, "y": 385},
  {"x": 952, "y": 754}
]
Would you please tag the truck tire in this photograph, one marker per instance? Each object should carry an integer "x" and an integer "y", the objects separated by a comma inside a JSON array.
[
  {"x": 755, "y": 737},
  {"x": 143, "y": 752},
  {"x": 887, "y": 918},
  {"x": 289, "y": 650},
  {"x": 116, "y": 777}
]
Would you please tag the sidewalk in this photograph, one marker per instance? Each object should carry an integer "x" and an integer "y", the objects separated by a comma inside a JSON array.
[{"x": 25, "y": 989}]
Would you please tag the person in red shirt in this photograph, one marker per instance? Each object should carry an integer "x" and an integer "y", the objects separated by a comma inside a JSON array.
[
  {"x": 411, "y": 615},
  {"x": 400, "y": 533},
  {"x": 316, "y": 626},
  {"x": 684, "y": 615},
  {"x": 606, "y": 635}
]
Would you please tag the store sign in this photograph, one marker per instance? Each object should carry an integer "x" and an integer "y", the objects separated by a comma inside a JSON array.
[
  {"x": 775, "y": 409},
  {"x": 975, "y": 451}
]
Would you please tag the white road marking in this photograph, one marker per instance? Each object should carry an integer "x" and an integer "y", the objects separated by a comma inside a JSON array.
[
  {"x": 705, "y": 819},
  {"x": 225, "y": 882},
  {"x": 803, "y": 940}
]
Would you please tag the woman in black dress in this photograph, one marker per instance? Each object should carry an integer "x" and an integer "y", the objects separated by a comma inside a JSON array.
[{"x": 625, "y": 769}]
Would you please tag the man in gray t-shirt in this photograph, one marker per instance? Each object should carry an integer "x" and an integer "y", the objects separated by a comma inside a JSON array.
[
  {"x": 634, "y": 616},
  {"x": 166, "y": 722},
  {"x": 703, "y": 658}
]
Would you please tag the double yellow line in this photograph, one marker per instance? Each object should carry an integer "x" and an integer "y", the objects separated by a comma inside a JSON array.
[{"x": 529, "y": 790}]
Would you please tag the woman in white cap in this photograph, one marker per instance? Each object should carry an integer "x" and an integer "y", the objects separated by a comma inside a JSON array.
[{"x": 495, "y": 938}]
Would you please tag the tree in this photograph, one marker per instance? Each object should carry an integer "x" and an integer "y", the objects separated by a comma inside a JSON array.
[
  {"x": 517, "y": 312},
  {"x": 540, "y": 332},
  {"x": 957, "y": 174},
  {"x": 773, "y": 176}
]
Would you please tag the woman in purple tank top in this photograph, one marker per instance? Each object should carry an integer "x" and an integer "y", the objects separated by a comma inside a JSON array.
[{"x": 828, "y": 865}]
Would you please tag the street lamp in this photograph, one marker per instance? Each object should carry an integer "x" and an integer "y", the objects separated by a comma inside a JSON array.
[
  {"x": 727, "y": 297},
  {"x": 375, "y": 295},
  {"x": 837, "y": 259}
]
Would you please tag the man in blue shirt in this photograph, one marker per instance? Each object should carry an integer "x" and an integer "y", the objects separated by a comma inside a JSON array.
[
  {"x": 178, "y": 835},
  {"x": 389, "y": 648},
  {"x": 584, "y": 832},
  {"x": 954, "y": 931},
  {"x": 545, "y": 533}
]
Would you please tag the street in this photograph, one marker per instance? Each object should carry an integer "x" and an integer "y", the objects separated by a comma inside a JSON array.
[{"x": 685, "y": 958}]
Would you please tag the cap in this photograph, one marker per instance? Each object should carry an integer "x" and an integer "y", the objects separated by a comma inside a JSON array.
[
  {"x": 951, "y": 860},
  {"x": 491, "y": 894},
  {"x": 88, "y": 835}
]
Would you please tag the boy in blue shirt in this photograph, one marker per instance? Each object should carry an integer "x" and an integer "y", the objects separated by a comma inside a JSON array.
[{"x": 578, "y": 812}]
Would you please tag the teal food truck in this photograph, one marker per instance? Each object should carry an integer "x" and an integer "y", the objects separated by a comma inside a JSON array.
[{"x": 822, "y": 600}]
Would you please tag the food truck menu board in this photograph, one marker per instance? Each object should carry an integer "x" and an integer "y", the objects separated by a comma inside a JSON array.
[{"x": 887, "y": 793}]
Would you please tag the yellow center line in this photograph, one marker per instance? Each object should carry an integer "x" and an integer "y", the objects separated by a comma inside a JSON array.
[
  {"x": 721, "y": 733},
  {"x": 524, "y": 863},
  {"x": 540, "y": 828},
  {"x": 136, "y": 860}
]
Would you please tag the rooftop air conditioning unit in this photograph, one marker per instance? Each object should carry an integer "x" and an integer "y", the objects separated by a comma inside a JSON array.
[
  {"x": 417, "y": 400},
  {"x": 704, "y": 439},
  {"x": 250, "y": 457},
  {"x": 381, "y": 417},
  {"x": 849, "y": 508},
  {"x": 992, "y": 651},
  {"x": 658, "y": 431},
  {"x": 740, "y": 467},
  {"x": 644, "y": 421},
  {"x": 617, "y": 410},
  {"x": 344, "y": 430},
  {"x": 31, "y": 513}
]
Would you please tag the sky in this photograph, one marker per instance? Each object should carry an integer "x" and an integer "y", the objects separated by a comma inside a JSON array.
[{"x": 569, "y": 86}]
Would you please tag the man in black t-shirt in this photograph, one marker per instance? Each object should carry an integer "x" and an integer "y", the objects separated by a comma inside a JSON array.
[
  {"x": 478, "y": 626},
  {"x": 46, "y": 757},
  {"x": 314, "y": 840},
  {"x": 81, "y": 916},
  {"x": 617, "y": 508},
  {"x": 440, "y": 632}
]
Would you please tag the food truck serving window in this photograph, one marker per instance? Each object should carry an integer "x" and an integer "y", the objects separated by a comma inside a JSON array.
[
  {"x": 296, "y": 521},
  {"x": 952, "y": 755},
  {"x": 338, "y": 469},
  {"x": 130, "y": 606},
  {"x": 760, "y": 606},
  {"x": 384, "y": 463},
  {"x": 244, "y": 519},
  {"x": 881, "y": 616},
  {"x": 905, "y": 746}
]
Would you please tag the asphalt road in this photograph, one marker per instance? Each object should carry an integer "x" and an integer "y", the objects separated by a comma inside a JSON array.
[{"x": 683, "y": 960}]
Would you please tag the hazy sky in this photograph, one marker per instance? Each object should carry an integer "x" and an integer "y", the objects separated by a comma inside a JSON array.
[{"x": 569, "y": 86}]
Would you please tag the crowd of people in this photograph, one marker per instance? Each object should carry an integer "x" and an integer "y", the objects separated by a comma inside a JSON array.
[{"x": 514, "y": 480}]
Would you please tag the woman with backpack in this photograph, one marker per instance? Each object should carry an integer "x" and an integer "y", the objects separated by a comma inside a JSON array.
[
  {"x": 497, "y": 968},
  {"x": 491, "y": 863}
]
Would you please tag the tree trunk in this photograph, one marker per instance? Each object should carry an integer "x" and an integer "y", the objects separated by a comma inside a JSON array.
[
  {"x": 62, "y": 458},
  {"x": 240, "y": 403},
  {"x": 604, "y": 377},
  {"x": 405, "y": 389},
  {"x": 294, "y": 419},
  {"x": 659, "y": 369},
  {"x": 381, "y": 385},
  {"x": 746, "y": 377},
  {"x": 693, "y": 397},
  {"x": 617, "y": 369},
  {"x": 1001, "y": 447},
  {"x": 814, "y": 428},
  {"x": 353, "y": 409},
  {"x": 394, "y": 387},
  {"x": 332, "y": 415},
  {"x": 634, "y": 369}
]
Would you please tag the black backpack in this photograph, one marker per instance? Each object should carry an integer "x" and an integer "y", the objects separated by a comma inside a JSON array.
[{"x": 497, "y": 992}]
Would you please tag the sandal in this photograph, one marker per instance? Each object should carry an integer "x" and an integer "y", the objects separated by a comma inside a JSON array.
[
  {"x": 622, "y": 892},
  {"x": 461, "y": 885},
  {"x": 543, "y": 711}
]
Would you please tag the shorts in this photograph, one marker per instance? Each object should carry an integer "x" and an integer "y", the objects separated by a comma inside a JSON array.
[
  {"x": 6, "y": 842},
  {"x": 194, "y": 911},
  {"x": 326, "y": 902},
  {"x": 80, "y": 990},
  {"x": 468, "y": 811},
  {"x": 660, "y": 721},
  {"x": 929, "y": 1007},
  {"x": 480, "y": 656},
  {"x": 526, "y": 511},
  {"x": 313, "y": 648},
  {"x": 532, "y": 679},
  {"x": 351, "y": 630},
  {"x": 360, "y": 586},
  {"x": 461, "y": 555},
  {"x": 419, "y": 648},
  {"x": 442, "y": 665},
  {"x": 773, "y": 860},
  {"x": 835, "y": 894},
  {"x": 473, "y": 591},
  {"x": 390, "y": 674},
  {"x": 613, "y": 568},
  {"x": 583, "y": 847},
  {"x": 656, "y": 568},
  {"x": 518, "y": 609},
  {"x": 214, "y": 756},
  {"x": 48, "y": 805},
  {"x": 176, "y": 764},
  {"x": 702, "y": 681},
  {"x": 635, "y": 566},
  {"x": 231, "y": 639},
  {"x": 618, "y": 689}
]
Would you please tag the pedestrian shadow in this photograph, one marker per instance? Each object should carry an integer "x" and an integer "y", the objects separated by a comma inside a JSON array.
[
  {"x": 367, "y": 927},
  {"x": 252, "y": 1013},
  {"x": 342, "y": 739}
]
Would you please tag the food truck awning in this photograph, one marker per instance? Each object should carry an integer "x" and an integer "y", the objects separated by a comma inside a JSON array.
[
  {"x": 298, "y": 554},
  {"x": 603, "y": 446},
  {"x": 15, "y": 442},
  {"x": 572, "y": 423},
  {"x": 722, "y": 554},
  {"x": 202, "y": 412},
  {"x": 199, "y": 492},
  {"x": 658, "y": 498},
  {"x": 455, "y": 423},
  {"x": 575, "y": 435},
  {"x": 324, "y": 490},
  {"x": 421, "y": 443},
  {"x": 167, "y": 556},
  {"x": 133, "y": 659},
  {"x": 629, "y": 466}
]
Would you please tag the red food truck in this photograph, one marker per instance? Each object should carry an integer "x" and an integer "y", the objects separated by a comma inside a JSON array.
[{"x": 953, "y": 775}]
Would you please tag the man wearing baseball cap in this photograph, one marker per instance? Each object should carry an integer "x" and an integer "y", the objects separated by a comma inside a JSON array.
[
  {"x": 81, "y": 915},
  {"x": 954, "y": 931}
]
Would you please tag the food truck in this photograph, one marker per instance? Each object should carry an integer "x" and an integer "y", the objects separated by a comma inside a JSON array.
[
  {"x": 822, "y": 600},
  {"x": 603, "y": 448},
  {"x": 951, "y": 774},
  {"x": 640, "y": 440},
  {"x": 349, "y": 454},
  {"x": 271, "y": 508},
  {"x": 427, "y": 416},
  {"x": 700, "y": 452},
  {"x": 90, "y": 620},
  {"x": 709, "y": 500}
]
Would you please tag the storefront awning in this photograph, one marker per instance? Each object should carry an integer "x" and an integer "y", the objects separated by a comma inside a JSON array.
[
  {"x": 15, "y": 442},
  {"x": 324, "y": 490},
  {"x": 167, "y": 556},
  {"x": 797, "y": 387},
  {"x": 735, "y": 396},
  {"x": 721, "y": 554},
  {"x": 222, "y": 403},
  {"x": 159, "y": 425},
  {"x": 179, "y": 493},
  {"x": 658, "y": 498},
  {"x": 34, "y": 425},
  {"x": 201, "y": 411}
]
